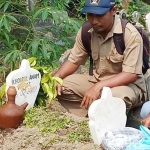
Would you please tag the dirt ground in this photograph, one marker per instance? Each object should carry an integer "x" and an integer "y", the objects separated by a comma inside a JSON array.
[{"x": 25, "y": 138}]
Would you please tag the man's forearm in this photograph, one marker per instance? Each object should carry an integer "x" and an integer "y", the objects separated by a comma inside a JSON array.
[
  {"x": 120, "y": 79},
  {"x": 66, "y": 69}
]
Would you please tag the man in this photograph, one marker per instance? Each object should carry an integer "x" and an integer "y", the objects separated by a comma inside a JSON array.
[
  {"x": 145, "y": 114},
  {"x": 122, "y": 73}
]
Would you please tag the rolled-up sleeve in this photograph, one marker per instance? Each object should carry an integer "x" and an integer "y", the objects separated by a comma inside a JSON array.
[
  {"x": 133, "y": 54},
  {"x": 78, "y": 53}
]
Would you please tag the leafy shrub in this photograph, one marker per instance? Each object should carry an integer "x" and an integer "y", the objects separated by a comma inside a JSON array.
[
  {"x": 22, "y": 34},
  {"x": 44, "y": 32}
]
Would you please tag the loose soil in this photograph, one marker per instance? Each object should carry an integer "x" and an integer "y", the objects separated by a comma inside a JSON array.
[{"x": 25, "y": 138}]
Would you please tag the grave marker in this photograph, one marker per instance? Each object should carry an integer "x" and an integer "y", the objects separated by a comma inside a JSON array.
[
  {"x": 106, "y": 113},
  {"x": 27, "y": 83}
]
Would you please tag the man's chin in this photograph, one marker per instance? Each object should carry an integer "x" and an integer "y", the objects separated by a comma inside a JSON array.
[{"x": 99, "y": 30}]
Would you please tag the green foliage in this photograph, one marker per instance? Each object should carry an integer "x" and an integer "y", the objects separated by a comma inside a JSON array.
[
  {"x": 141, "y": 7},
  {"x": 47, "y": 85},
  {"x": 45, "y": 120},
  {"x": 47, "y": 88},
  {"x": 49, "y": 122},
  {"x": 2, "y": 93},
  {"x": 81, "y": 133},
  {"x": 137, "y": 5},
  {"x": 45, "y": 32},
  {"x": 75, "y": 7}
]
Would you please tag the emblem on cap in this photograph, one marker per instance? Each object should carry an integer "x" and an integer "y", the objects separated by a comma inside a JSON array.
[
  {"x": 95, "y": 2},
  {"x": 112, "y": 3}
]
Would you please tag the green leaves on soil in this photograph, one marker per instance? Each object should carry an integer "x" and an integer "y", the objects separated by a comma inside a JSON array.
[
  {"x": 50, "y": 122},
  {"x": 46, "y": 120}
]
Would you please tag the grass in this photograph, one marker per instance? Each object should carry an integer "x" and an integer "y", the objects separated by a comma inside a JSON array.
[{"x": 49, "y": 122}]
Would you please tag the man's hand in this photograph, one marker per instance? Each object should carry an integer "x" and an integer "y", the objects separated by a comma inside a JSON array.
[
  {"x": 91, "y": 95},
  {"x": 66, "y": 69},
  {"x": 58, "y": 88},
  {"x": 146, "y": 121}
]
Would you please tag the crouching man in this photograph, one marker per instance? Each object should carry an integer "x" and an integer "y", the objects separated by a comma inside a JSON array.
[{"x": 122, "y": 73}]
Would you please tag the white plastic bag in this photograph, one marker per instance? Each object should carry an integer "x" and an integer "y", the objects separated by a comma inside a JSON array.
[
  {"x": 119, "y": 139},
  {"x": 143, "y": 144}
]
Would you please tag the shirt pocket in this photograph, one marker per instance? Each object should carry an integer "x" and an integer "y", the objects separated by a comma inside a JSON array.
[{"x": 115, "y": 60}]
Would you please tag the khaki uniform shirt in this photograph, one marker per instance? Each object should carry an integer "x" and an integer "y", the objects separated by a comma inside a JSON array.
[{"x": 107, "y": 61}]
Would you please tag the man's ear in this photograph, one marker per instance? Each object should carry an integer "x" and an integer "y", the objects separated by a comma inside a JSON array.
[{"x": 113, "y": 10}]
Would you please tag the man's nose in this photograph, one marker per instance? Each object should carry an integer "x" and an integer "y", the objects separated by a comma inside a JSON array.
[{"x": 94, "y": 20}]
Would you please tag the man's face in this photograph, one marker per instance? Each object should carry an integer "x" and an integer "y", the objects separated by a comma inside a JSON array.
[{"x": 100, "y": 23}]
